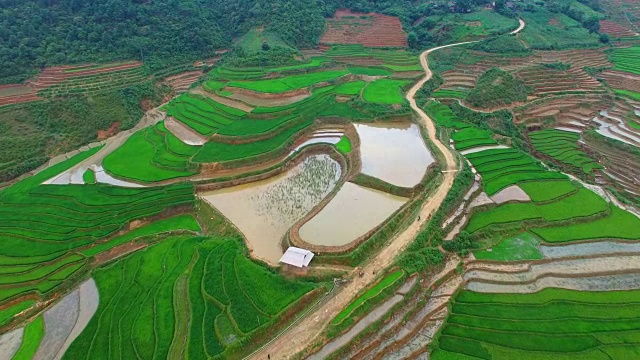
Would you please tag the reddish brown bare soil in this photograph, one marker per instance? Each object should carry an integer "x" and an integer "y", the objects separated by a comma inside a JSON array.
[
  {"x": 621, "y": 80},
  {"x": 372, "y": 30},
  {"x": 56, "y": 75},
  {"x": 182, "y": 81},
  {"x": 614, "y": 29},
  {"x": 112, "y": 130}
]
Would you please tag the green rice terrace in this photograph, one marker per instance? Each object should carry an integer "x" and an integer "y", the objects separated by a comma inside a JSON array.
[{"x": 444, "y": 180}]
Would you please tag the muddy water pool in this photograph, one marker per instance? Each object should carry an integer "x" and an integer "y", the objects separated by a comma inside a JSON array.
[
  {"x": 394, "y": 153},
  {"x": 350, "y": 214},
  {"x": 265, "y": 210}
]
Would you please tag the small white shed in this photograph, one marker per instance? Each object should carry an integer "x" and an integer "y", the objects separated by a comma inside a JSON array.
[{"x": 297, "y": 257}]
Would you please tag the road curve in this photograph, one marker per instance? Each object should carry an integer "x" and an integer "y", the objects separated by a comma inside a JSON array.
[
  {"x": 522, "y": 25},
  {"x": 302, "y": 334}
]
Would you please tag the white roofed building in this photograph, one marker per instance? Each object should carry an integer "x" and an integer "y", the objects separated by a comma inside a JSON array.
[{"x": 297, "y": 257}]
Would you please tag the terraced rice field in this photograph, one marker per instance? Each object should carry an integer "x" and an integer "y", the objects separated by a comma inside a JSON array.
[
  {"x": 371, "y": 30},
  {"x": 385, "y": 91},
  {"x": 504, "y": 167},
  {"x": 563, "y": 147},
  {"x": 398, "y": 61},
  {"x": 152, "y": 155},
  {"x": 627, "y": 59},
  {"x": 552, "y": 323},
  {"x": 66, "y": 80},
  {"x": 472, "y": 137},
  {"x": 224, "y": 291}
]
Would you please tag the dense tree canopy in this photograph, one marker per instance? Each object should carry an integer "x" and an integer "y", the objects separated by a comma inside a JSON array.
[{"x": 38, "y": 33}]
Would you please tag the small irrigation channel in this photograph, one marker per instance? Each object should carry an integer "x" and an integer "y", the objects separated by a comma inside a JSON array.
[{"x": 265, "y": 210}]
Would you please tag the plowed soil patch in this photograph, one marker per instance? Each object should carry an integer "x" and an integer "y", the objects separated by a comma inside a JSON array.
[{"x": 372, "y": 30}]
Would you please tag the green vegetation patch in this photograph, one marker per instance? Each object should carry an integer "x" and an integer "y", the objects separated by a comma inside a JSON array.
[
  {"x": 472, "y": 137},
  {"x": 70, "y": 218},
  {"x": 344, "y": 145},
  {"x": 581, "y": 204},
  {"x": 443, "y": 115},
  {"x": 252, "y": 41},
  {"x": 138, "y": 293},
  {"x": 548, "y": 30},
  {"x": 289, "y": 83},
  {"x": 627, "y": 59},
  {"x": 523, "y": 246},
  {"x": 369, "y": 294},
  {"x": 619, "y": 225},
  {"x": 33, "y": 334},
  {"x": 497, "y": 88},
  {"x": 547, "y": 190},
  {"x": 89, "y": 177},
  {"x": 630, "y": 94},
  {"x": 501, "y": 168},
  {"x": 151, "y": 155},
  {"x": 202, "y": 114},
  {"x": 550, "y": 324},
  {"x": 563, "y": 147},
  {"x": 9, "y": 312},
  {"x": 450, "y": 94},
  {"x": 385, "y": 91},
  {"x": 350, "y": 88},
  {"x": 180, "y": 223}
]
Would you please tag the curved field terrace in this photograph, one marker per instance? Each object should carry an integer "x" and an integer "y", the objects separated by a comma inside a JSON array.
[{"x": 465, "y": 176}]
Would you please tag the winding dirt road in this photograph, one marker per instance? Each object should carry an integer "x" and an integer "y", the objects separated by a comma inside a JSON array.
[{"x": 302, "y": 334}]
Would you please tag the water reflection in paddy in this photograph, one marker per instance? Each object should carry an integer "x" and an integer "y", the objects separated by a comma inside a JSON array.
[
  {"x": 265, "y": 210},
  {"x": 394, "y": 153},
  {"x": 350, "y": 214}
]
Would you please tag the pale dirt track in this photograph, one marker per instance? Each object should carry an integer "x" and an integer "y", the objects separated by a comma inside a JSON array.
[{"x": 303, "y": 334}]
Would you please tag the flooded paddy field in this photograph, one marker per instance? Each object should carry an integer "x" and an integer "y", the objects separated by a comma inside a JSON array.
[
  {"x": 265, "y": 210},
  {"x": 353, "y": 212},
  {"x": 395, "y": 153}
]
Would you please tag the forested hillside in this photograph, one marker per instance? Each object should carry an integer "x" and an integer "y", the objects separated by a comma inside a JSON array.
[{"x": 38, "y": 33}]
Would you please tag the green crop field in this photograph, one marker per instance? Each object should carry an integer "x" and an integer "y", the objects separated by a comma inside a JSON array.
[
  {"x": 202, "y": 114},
  {"x": 619, "y": 225},
  {"x": 70, "y": 218},
  {"x": 154, "y": 154},
  {"x": 344, "y": 145},
  {"x": 225, "y": 292},
  {"x": 350, "y": 88},
  {"x": 288, "y": 83},
  {"x": 443, "y": 115},
  {"x": 627, "y": 59},
  {"x": 89, "y": 177},
  {"x": 385, "y": 91},
  {"x": 523, "y": 246},
  {"x": 581, "y": 204},
  {"x": 540, "y": 191},
  {"x": 501, "y": 168},
  {"x": 550, "y": 324},
  {"x": 369, "y": 294},
  {"x": 449, "y": 93},
  {"x": 33, "y": 334},
  {"x": 563, "y": 147},
  {"x": 472, "y": 137}
]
